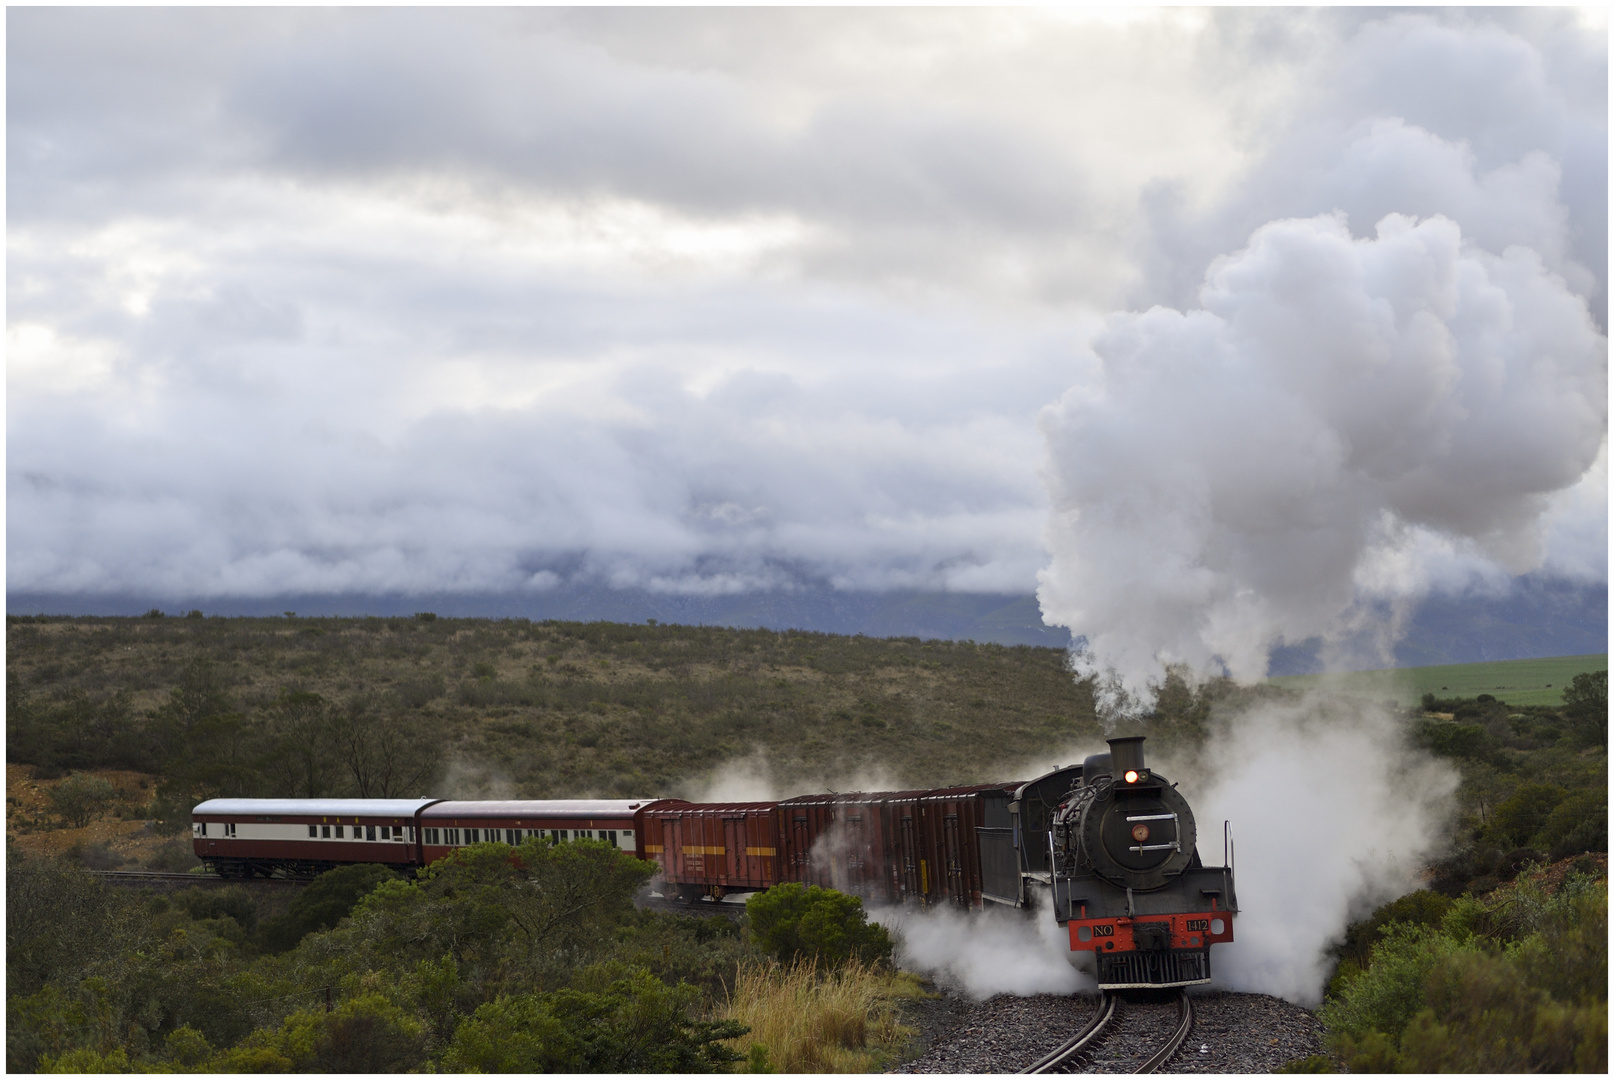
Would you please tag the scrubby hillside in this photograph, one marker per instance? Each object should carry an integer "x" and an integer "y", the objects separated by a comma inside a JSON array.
[{"x": 471, "y": 707}]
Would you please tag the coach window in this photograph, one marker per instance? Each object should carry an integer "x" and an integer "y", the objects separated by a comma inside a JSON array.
[
  {"x": 204, "y": 828},
  {"x": 369, "y": 832},
  {"x": 313, "y": 831},
  {"x": 325, "y": 831},
  {"x": 229, "y": 829},
  {"x": 339, "y": 832}
]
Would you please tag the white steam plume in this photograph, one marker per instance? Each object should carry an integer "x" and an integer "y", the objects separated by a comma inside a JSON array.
[
  {"x": 1332, "y": 816},
  {"x": 756, "y": 778},
  {"x": 1251, "y": 472},
  {"x": 982, "y": 953},
  {"x": 466, "y": 778}
]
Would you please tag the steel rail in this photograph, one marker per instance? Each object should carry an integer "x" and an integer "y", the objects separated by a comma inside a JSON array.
[
  {"x": 132, "y": 876},
  {"x": 1184, "y": 1025},
  {"x": 1068, "y": 1049}
]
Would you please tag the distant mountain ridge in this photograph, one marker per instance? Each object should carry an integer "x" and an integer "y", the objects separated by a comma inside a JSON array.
[{"x": 1538, "y": 618}]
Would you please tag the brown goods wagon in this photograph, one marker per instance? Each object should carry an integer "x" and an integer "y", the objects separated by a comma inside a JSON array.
[
  {"x": 849, "y": 842},
  {"x": 709, "y": 849},
  {"x": 915, "y": 846},
  {"x": 949, "y": 819}
]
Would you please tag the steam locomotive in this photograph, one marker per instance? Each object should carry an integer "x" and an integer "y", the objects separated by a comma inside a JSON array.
[{"x": 1109, "y": 845}]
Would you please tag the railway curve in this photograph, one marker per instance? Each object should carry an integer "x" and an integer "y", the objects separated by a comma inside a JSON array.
[{"x": 1231, "y": 1033}]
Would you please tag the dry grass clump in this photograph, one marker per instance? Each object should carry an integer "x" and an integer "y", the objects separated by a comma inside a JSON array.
[{"x": 806, "y": 1019}]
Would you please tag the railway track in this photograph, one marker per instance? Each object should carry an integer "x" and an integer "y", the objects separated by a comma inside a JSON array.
[
  {"x": 152, "y": 877},
  {"x": 1139, "y": 1024}
]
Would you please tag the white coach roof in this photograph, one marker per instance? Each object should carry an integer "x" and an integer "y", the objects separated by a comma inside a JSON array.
[
  {"x": 326, "y": 807},
  {"x": 552, "y": 808}
]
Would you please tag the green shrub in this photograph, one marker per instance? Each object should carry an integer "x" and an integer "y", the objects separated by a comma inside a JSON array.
[
  {"x": 326, "y": 901},
  {"x": 1421, "y": 908},
  {"x": 82, "y": 798},
  {"x": 1517, "y": 819},
  {"x": 1578, "y": 823},
  {"x": 212, "y": 902},
  {"x": 1483, "y": 1017},
  {"x": 796, "y": 922},
  {"x": 637, "y": 1024},
  {"x": 1455, "y": 740},
  {"x": 1515, "y": 983},
  {"x": 1389, "y": 991}
]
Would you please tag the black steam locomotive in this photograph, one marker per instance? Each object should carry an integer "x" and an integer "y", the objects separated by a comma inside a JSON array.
[{"x": 1114, "y": 846}]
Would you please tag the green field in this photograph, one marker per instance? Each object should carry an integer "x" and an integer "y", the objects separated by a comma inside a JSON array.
[{"x": 1517, "y": 682}]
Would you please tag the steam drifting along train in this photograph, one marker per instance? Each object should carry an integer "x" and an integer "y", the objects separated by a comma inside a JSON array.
[{"x": 1109, "y": 844}]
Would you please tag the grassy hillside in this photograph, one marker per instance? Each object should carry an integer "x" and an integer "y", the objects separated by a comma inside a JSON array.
[
  {"x": 534, "y": 709},
  {"x": 1518, "y": 682}
]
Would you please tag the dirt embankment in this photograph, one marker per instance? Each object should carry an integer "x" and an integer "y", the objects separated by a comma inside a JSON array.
[{"x": 120, "y": 837}]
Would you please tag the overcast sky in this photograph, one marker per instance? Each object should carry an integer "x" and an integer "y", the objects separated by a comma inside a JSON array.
[{"x": 409, "y": 300}]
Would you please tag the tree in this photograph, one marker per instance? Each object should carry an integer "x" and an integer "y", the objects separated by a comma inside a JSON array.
[
  {"x": 60, "y": 922},
  {"x": 205, "y": 745},
  {"x": 303, "y": 744},
  {"x": 1181, "y": 709},
  {"x": 1586, "y": 707},
  {"x": 388, "y": 755},
  {"x": 199, "y": 697},
  {"x": 82, "y": 798}
]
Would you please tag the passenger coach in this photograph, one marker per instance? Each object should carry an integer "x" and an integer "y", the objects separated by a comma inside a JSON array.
[{"x": 262, "y": 837}]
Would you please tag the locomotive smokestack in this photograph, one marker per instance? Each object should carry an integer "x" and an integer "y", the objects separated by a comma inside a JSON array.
[{"x": 1126, "y": 755}]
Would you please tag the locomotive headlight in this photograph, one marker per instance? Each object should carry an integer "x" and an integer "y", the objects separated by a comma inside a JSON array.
[{"x": 1132, "y": 776}]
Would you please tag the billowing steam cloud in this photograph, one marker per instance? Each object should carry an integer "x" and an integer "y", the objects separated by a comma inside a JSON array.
[
  {"x": 1331, "y": 817},
  {"x": 1245, "y": 474},
  {"x": 982, "y": 953}
]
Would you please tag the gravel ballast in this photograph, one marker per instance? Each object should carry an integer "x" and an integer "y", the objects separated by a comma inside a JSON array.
[{"x": 1232, "y": 1033}]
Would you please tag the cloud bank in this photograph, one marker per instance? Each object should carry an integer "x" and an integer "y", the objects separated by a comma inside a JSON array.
[{"x": 315, "y": 300}]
